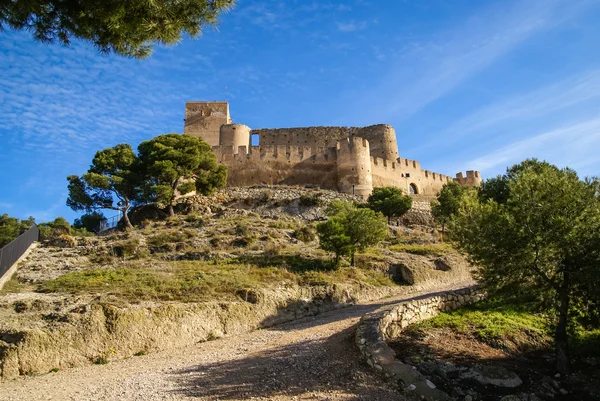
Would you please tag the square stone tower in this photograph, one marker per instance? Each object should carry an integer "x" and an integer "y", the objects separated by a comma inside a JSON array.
[{"x": 204, "y": 120}]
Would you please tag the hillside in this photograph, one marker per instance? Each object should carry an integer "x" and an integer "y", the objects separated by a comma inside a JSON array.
[{"x": 226, "y": 264}]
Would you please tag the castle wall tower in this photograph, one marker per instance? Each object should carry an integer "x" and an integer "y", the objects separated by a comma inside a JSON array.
[
  {"x": 234, "y": 135},
  {"x": 204, "y": 120},
  {"x": 354, "y": 166},
  {"x": 382, "y": 140}
]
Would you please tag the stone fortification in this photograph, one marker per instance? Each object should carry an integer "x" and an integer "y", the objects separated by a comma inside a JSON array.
[{"x": 352, "y": 160}]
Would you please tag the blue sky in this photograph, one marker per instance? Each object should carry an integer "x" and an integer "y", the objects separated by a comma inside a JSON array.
[{"x": 467, "y": 84}]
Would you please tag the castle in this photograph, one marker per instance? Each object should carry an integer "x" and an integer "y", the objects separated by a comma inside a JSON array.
[{"x": 348, "y": 159}]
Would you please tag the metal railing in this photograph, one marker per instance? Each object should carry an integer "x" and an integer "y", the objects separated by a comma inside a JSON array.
[
  {"x": 12, "y": 251},
  {"x": 109, "y": 223}
]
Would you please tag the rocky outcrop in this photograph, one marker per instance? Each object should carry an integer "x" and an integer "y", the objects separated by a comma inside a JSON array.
[{"x": 101, "y": 331}]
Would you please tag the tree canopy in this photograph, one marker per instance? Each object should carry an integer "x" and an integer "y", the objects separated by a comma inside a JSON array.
[
  {"x": 125, "y": 27},
  {"x": 112, "y": 182},
  {"x": 11, "y": 228},
  {"x": 447, "y": 203},
  {"x": 174, "y": 163},
  {"x": 390, "y": 201},
  {"x": 90, "y": 221},
  {"x": 350, "y": 229},
  {"x": 543, "y": 240}
]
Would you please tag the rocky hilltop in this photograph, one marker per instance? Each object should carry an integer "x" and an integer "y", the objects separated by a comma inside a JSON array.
[{"x": 226, "y": 264}]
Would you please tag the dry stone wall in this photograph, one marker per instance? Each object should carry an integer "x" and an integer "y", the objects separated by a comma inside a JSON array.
[{"x": 375, "y": 328}]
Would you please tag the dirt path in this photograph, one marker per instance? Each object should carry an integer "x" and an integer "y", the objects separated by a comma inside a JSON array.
[{"x": 310, "y": 359}]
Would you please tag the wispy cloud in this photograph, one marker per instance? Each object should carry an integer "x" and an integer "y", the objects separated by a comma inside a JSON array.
[
  {"x": 569, "y": 92},
  {"x": 351, "y": 26},
  {"x": 435, "y": 67},
  {"x": 5, "y": 206},
  {"x": 575, "y": 146}
]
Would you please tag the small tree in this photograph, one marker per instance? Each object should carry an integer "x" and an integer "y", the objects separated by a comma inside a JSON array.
[
  {"x": 544, "y": 240},
  {"x": 333, "y": 237},
  {"x": 447, "y": 203},
  {"x": 179, "y": 163},
  {"x": 350, "y": 229},
  {"x": 112, "y": 182},
  {"x": 90, "y": 221},
  {"x": 390, "y": 201}
]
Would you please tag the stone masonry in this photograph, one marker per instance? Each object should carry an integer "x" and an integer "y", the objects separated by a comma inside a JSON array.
[
  {"x": 375, "y": 328},
  {"x": 352, "y": 160}
]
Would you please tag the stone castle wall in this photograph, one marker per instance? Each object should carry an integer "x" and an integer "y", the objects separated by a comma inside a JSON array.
[{"x": 348, "y": 159}]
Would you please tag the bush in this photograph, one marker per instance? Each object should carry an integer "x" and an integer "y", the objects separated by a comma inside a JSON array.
[
  {"x": 241, "y": 229},
  {"x": 163, "y": 239},
  {"x": 305, "y": 234},
  {"x": 272, "y": 249},
  {"x": 126, "y": 248},
  {"x": 263, "y": 198},
  {"x": 436, "y": 249},
  {"x": 310, "y": 200},
  {"x": 195, "y": 220}
]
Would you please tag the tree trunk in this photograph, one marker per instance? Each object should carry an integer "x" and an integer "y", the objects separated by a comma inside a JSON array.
[
  {"x": 337, "y": 259},
  {"x": 170, "y": 210},
  {"x": 128, "y": 224},
  {"x": 352, "y": 259},
  {"x": 563, "y": 361}
]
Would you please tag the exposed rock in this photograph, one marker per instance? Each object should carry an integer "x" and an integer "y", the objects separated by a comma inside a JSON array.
[
  {"x": 442, "y": 264},
  {"x": 494, "y": 375}
]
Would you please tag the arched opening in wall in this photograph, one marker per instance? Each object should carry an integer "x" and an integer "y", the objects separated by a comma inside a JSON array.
[
  {"x": 413, "y": 189},
  {"x": 255, "y": 140}
]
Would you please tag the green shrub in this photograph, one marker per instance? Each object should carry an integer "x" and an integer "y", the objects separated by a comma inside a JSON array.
[
  {"x": 436, "y": 249},
  {"x": 305, "y": 234},
  {"x": 241, "y": 229},
  {"x": 215, "y": 241},
  {"x": 162, "y": 239},
  {"x": 263, "y": 198},
  {"x": 195, "y": 220},
  {"x": 310, "y": 200},
  {"x": 126, "y": 248}
]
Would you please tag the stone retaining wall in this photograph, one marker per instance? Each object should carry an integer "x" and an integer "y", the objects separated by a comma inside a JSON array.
[{"x": 375, "y": 328}]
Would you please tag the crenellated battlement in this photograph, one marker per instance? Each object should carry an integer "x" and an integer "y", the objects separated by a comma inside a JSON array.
[
  {"x": 349, "y": 159},
  {"x": 473, "y": 178},
  {"x": 276, "y": 153}
]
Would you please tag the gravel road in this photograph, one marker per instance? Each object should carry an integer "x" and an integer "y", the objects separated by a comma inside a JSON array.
[{"x": 310, "y": 359}]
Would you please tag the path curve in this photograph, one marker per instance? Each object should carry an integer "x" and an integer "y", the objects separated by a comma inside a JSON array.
[{"x": 309, "y": 359}]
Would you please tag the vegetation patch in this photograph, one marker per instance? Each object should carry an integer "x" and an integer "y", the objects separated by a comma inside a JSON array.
[
  {"x": 436, "y": 249},
  {"x": 497, "y": 324},
  {"x": 196, "y": 281}
]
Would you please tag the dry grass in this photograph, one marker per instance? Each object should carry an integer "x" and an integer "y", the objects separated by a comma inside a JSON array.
[
  {"x": 436, "y": 249},
  {"x": 194, "y": 281}
]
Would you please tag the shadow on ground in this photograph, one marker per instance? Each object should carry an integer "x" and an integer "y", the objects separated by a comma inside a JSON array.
[
  {"x": 312, "y": 366},
  {"x": 325, "y": 368}
]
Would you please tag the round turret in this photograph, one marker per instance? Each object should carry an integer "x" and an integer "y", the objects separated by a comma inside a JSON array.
[
  {"x": 234, "y": 135},
  {"x": 354, "y": 167}
]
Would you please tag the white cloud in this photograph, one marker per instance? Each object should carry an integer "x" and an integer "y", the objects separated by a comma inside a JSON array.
[
  {"x": 574, "y": 145},
  {"x": 351, "y": 26},
  {"x": 5, "y": 205},
  {"x": 557, "y": 96},
  {"x": 434, "y": 67}
]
